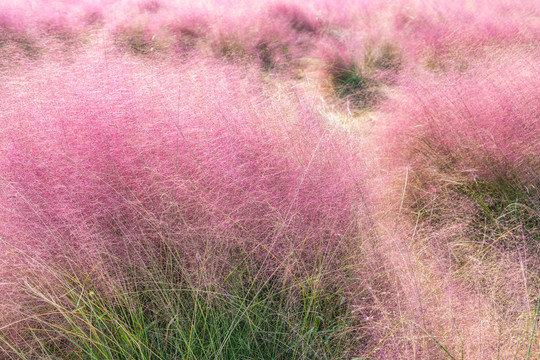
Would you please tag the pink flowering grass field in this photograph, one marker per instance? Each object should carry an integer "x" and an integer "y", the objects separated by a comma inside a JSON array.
[{"x": 269, "y": 179}]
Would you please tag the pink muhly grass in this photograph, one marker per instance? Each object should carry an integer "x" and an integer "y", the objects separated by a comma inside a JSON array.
[
  {"x": 277, "y": 36},
  {"x": 188, "y": 29},
  {"x": 483, "y": 123},
  {"x": 435, "y": 34},
  {"x": 151, "y": 6},
  {"x": 114, "y": 167},
  {"x": 31, "y": 30},
  {"x": 17, "y": 37},
  {"x": 443, "y": 35},
  {"x": 111, "y": 166},
  {"x": 295, "y": 17},
  {"x": 129, "y": 166},
  {"x": 464, "y": 142}
]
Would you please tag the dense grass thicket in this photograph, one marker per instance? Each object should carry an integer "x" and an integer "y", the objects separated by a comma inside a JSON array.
[{"x": 269, "y": 179}]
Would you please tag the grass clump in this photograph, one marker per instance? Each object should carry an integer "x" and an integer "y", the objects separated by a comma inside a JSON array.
[
  {"x": 386, "y": 57},
  {"x": 138, "y": 40},
  {"x": 360, "y": 80},
  {"x": 220, "y": 229},
  {"x": 159, "y": 316},
  {"x": 353, "y": 82},
  {"x": 298, "y": 19},
  {"x": 502, "y": 206}
]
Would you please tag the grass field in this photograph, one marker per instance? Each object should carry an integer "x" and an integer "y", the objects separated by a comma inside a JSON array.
[{"x": 269, "y": 179}]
